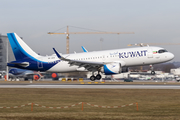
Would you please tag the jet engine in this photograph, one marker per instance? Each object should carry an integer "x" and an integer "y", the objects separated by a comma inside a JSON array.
[
  {"x": 6, "y": 77},
  {"x": 36, "y": 77},
  {"x": 112, "y": 68},
  {"x": 54, "y": 76}
]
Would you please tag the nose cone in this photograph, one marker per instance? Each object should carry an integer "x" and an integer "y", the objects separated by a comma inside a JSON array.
[
  {"x": 167, "y": 57},
  {"x": 171, "y": 56}
]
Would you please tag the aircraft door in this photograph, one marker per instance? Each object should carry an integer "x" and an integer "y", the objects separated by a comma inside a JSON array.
[
  {"x": 150, "y": 53},
  {"x": 40, "y": 64}
]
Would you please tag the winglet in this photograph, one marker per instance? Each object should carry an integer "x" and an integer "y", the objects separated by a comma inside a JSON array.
[
  {"x": 57, "y": 53},
  {"x": 84, "y": 49}
]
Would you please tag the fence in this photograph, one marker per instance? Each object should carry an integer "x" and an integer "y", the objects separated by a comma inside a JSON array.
[{"x": 80, "y": 103}]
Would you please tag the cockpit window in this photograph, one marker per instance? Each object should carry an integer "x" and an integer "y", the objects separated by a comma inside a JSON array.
[{"x": 162, "y": 51}]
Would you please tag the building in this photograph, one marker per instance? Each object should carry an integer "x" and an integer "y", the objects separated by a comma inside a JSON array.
[
  {"x": 175, "y": 71},
  {"x": 3, "y": 52}
]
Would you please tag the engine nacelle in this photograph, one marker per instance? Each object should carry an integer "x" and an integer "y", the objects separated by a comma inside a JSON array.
[
  {"x": 112, "y": 68},
  {"x": 36, "y": 77},
  {"x": 54, "y": 76}
]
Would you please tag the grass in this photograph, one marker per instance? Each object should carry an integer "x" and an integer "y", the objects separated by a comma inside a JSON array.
[{"x": 153, "y": 104}]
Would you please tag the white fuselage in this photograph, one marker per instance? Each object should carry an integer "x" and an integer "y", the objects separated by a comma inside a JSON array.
[{"x": 127, "y": 57}]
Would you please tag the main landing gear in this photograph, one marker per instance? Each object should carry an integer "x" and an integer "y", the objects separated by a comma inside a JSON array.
[
  {"x": 97, "y": 77},
  {"x": 152, "y": 70}
]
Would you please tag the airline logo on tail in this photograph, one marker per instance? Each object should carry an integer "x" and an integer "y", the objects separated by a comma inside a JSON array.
[{"x": 25, "y": 56}]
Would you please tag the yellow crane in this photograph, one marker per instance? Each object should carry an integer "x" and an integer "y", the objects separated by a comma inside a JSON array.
[
  {"x": 146, "y": 44},
  {"x": 67, "y": 33}
]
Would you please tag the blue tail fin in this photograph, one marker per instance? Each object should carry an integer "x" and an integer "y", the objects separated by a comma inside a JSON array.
[
  {"x": 20, "y": 49},
  {"x": 26, "y": 58}
]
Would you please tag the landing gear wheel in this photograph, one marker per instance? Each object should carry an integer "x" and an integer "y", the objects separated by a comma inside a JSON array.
[
  {"x": 152, "y": 70},
  {"x": 98, "y": 76},
  {"x": 153, "y": 73},
  {"x": 92, "y": 78}
]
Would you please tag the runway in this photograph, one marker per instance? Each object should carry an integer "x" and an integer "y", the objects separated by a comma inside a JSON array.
[{"x": 90, "y": 86}]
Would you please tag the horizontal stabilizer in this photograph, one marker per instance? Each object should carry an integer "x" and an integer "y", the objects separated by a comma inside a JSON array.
[{"x": 23, "y": 64}]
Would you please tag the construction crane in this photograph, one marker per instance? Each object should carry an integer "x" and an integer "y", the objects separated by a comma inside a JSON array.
[
  {"x": 146, "y": 44},
  {"x": 67, "y": 33}
]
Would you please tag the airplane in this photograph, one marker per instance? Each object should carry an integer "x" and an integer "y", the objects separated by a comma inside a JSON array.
[
  {"x": 16, "y": 73},
  {"x": 106, "y": 62}
]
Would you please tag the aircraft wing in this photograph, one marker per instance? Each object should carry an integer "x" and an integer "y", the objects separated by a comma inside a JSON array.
[{"x": 89, "y": 65}]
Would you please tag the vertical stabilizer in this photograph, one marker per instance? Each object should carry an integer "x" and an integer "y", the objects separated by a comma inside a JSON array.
[{"x": 20, "y": 49}]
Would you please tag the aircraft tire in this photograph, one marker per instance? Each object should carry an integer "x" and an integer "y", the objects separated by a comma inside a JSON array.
[
  {"x": 92, "y": 78},
  {"x": 153, "y": 73},
  {"x": 98, "y": 76}
]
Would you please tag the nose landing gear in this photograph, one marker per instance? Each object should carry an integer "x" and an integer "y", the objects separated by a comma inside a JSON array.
[{"x": 152, "y": 70}]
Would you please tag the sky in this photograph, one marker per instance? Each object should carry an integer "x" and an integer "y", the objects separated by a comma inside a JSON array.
[{"x": 152, "y": 21}]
